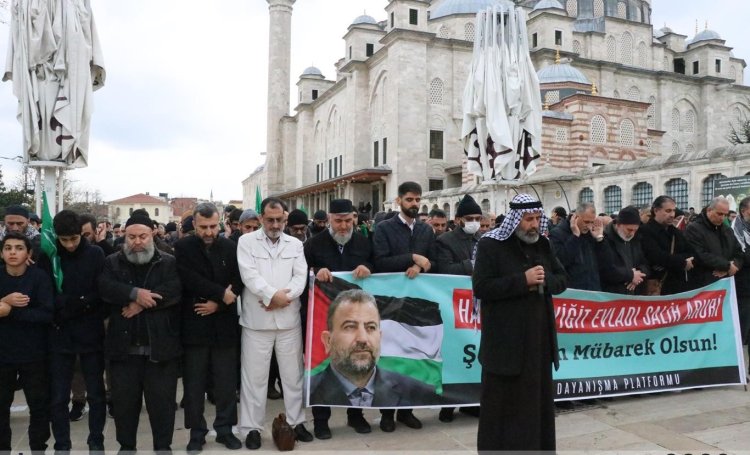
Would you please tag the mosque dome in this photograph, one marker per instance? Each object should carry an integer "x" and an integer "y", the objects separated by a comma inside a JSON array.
[
  {"x": 561, "y": 72},
  {"x": 705, "y": 35},
  {"x": 663, "y": 31},
  {"x": 547, "y": 4},
  {"x": 312, "y": 71},
  {"x": 365, "y": 19},
  {"x": 451, "y": 7}
]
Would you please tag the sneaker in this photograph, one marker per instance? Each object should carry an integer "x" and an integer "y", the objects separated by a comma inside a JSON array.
[
  {"x": 301, "y": 433},
  {"x": 229, "y": 441},
  {"x": 77, "y": 411},
  {"x": 252, "y": 441}
]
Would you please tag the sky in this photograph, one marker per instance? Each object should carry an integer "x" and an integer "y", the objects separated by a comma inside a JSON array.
[{"x": 183, "y": 110}]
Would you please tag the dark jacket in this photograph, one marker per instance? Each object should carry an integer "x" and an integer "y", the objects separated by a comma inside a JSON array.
[
  {"x": 453, "y": 252},
  {"x": 23, "y": 333},
  {"x": 321, "y": 251},
  {"x": 656, "y": 243},
  {"x": 742, "y": 279},
  {"x": 205, "y": 275},
  {"x": 391, "y": 389},
  {"x": 508, "y": 307},
  {"x": 117, "y": 285},
  {"x": 579, "y": 255},
  {"x": 715, "y": 247},
  {"x": 79, "y": 311},
  {"x": 394, "y": 243},
  {"x": 622, "y": 257}
]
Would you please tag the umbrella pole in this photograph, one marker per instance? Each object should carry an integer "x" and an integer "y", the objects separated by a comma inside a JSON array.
[{"x": 49, "y": 177}]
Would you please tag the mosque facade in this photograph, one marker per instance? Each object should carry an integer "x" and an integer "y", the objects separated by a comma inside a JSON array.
[{"x": 630, "y": 111}]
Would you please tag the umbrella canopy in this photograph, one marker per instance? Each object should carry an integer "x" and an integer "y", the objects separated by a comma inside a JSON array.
[
  {"x": 502, "y": 107},
  {"x": 54, "y": 60}
]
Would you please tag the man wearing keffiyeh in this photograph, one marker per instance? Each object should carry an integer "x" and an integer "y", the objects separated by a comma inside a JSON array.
[
  {"x": 741, "y": 228},
  {"x": 515, "y": 276}
]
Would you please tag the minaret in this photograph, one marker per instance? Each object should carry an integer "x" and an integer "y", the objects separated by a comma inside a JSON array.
[{"x": 279, "y": 62}]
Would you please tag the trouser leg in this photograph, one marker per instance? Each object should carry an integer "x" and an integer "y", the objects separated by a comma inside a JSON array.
[
  {"x": 127, "y": 398},
  {"x": 160, "y": 391},
  {"x": 92, "y": 368},
  {"x": 289, "y": 354},
  {"x": 224, "y": 372},
  {"x": 257, "y": 346},
  {"x": 61, "y": 375},
  {"x": 195, "y": 364},
  {"x": 35, "y": 382},
  {"x": 78, "y": 384},
  {"x": 8, "y": 375}
]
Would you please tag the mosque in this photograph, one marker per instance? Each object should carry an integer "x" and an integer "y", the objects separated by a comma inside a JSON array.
[{"x": 630, "y": 111}]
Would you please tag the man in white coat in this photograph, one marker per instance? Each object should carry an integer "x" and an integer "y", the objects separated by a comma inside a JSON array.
[{"x": 274, "y": 271}]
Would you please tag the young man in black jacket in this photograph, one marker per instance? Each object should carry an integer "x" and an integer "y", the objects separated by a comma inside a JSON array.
[
  {"x": 403, "y": 244},
  {"x": 142, "y": 288},
  {"x": 207, "y": 264},
  {"x": 26, "y": 309},
  {"x": 77, "y": 331}
]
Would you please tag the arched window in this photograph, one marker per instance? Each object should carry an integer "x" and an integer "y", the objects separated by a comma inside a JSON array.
[
  {"x": 626, "y": 48},
  {"x": 436, "y": 91},
  {"x": 447, "y": 210},
  {"x": 622, "y": 10},
  {"x": 616, "y": 94},
  {"x": 598, "y": 8},
  {"x": 689, "y": 126},
  {"x": 485, "y": 205},
  {"x": 690, "y": 148},
  {"x": 675, "y": 121},
  {"x": 586, "y": 195},
  {"x": 444, "y": 32},
  {"x": 612, "y": 199},
  {"x": 469, "y": 31},
  {"x": 156, "y": 211},
  {"x": 627, "y": 133},
  {"x": 598, "y": 130},
  {"x": 707, "y": 189},
  {"x": 611, "y": 48},
  {"x": 572, "y": 7},
  {"x": 642, "y": 55},
  {"x": 675, "y": 148},
  {"x": 576, "y": 46},
  {"x": 633, "y": 94},
  {"x": 651, "y": 112},
  {"x": 425, "y": 209},
  {"x": 677, "y": 189},
  {"x": 643, "y": 193}
]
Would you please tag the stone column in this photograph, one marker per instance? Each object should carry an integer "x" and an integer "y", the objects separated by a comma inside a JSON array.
[{"x": 279, "y": 62}]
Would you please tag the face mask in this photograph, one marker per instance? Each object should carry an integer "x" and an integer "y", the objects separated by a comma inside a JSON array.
[{"x": 471, "y": 227}]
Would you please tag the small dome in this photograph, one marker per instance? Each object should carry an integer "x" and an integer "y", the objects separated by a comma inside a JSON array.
[
  {"x": 705, "y": 35},
  {"x": 561, "y": 72},
  {"x": 451, "y": 7},
  {"x": 663, "y": 31},
  {"x": 365, "y": 19},
  {"x": 547, "y": 4},
  {"x": 312, "y": 71}
]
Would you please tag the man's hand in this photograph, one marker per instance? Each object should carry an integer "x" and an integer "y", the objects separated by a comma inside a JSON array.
[
  {"x": 689, "y": 264},
  {"x": 146, "y": 298},
  {"x": 324, "y": 275},
  {"x": 131, "y": 310},
  {"x": 733, "y": 269},
  {"x": 421, "y": 261},
  {"x": 280, "y": 299},
  {"x": 16, "y": 299},
  {"x": 229, "y": 296},
  {"x": 574, "y": 225},
  {"x": 101, "y": 232},
  {"x": 413, "y": 271},
  {"x": 361, "y": 272},
  {"x": 719, "y": 273},
  {"x": 204, "y": 309},
  {"x": 598, "y": 229},
  {"x": 638, "y": 277},
  {"x": 4, "y": 309},
  {"x": 535, "y": 276}
]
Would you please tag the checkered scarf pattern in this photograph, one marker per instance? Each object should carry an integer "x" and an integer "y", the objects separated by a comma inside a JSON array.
[{"x": 520, "y": 205}]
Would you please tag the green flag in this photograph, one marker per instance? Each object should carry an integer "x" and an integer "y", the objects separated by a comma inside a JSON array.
[
  {"x": 49, "y": 243},
  {"x": 258, "y": 200}
]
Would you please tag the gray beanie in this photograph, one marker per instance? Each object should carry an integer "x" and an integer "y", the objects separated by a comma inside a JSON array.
[{"x": 248, "y": 214}]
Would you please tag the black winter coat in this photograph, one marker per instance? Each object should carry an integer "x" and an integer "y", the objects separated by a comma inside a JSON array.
[
  {"x": 579, "y": 255},
  {"x": 453, "y": 252},
  {"x": 507, "y": 304},
  {"x": 394, "y": 243},
  {"x": 162, "y": 323},
  {"x": 79, "y": 311},
  {"x": 205, "y": 275},
  {"x": 715, "y": 247},
  {"x": 321, "y": 251},
  {"x": 656, "y": 242},
  {"x": 622, "y": 257}
]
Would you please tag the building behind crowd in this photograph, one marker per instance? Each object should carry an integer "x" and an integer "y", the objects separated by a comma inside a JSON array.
[{"x": 630, "y": 111}]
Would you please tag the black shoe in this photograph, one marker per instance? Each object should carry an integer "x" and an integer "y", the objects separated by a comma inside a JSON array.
[
  {"x": 230, "y": 441},
  {"x": 77, "y": 411},
  {"x": 359, "y": 424},
  {"x": 252, "y": 441},
  {"x": 387, "y": 424},
  {"x": 96, "y": 447},
  {"x": 446, "y": 415},
  {"x": 321, "y": 429},
  {"x": 409, "y": 419},
  {"x": 273, "y": 394},
  {"x": 301, "y": 433},
  {"x": 195, "y": 446},
  {"x": 470, "y": 411}
]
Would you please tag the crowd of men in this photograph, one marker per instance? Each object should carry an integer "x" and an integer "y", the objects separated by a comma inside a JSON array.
[{"x": 222, "y": 305}]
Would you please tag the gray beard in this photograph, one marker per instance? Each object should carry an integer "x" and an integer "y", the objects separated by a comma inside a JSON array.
[
  {"x": 525, "y": 237},
  {"x": 139, "y": 257},
  {"x": 339, "y": 238},
  {"x": 624, "y": 239}
]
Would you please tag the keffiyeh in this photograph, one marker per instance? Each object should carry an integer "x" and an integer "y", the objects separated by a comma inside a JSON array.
[{"x": 520, "y": 205}]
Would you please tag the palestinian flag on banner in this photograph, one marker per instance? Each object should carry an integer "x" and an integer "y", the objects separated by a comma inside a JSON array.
[{"x": 412, "y": 333}]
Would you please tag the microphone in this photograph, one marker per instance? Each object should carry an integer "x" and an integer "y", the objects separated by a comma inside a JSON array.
[{"x": 539, "y": 287}]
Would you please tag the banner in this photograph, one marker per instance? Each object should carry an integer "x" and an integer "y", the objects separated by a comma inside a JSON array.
[
  {"x": 734, "y": 189},
  {"x": 609, "y": 344}
]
